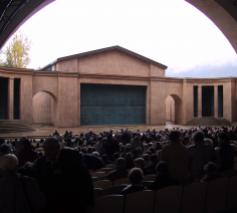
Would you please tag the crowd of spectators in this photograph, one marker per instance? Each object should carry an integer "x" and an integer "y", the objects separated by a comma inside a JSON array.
[{"x": 54, "y": 174}]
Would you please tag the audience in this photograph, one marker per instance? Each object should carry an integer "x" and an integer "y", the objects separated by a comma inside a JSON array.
[
  {"x": 18, "y": 194},
  {"x": 176, "y": 156},
  {"x": 63, "y": 179},
  {"x": 210, "y": 172},
  {"x": 60, "y": 163},
  {"x": 224, "y": 153},
  {"x": 120, "y": 170},
  {"x": 200, "y": 154},
  {"x": 162, "y": 177},
  {"x": 135, "y": 177},
  {"x": 24, "y": 151}
]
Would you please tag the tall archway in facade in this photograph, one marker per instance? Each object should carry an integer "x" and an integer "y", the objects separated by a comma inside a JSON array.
[
  {"x": 44, "y": 108},
  {"x": 173, "y": 112}
]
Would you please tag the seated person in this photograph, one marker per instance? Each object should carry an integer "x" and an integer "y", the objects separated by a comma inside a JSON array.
[
  {"x": 63, "y": 179},
  {"x": 18, "y": 193},
  {"x": 135, "y": 177},
  {"x": 120, "y": 170},
  {"x": 162, "y": 177},
  {"x": 210, "y": 172},
  {"x": 24, "y": 152},
  {"x": 200, "y": 154},
  {"x": 5, "y": 149},
  {"x": 176, "y": 156},
  {"x": 225, "y": 153}
]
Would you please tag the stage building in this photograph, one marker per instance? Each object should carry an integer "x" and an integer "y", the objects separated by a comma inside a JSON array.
[{"x": 111, "y": 86}]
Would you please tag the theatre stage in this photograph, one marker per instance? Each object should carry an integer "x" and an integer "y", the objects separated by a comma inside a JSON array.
[{"x": 44, "y": 131}]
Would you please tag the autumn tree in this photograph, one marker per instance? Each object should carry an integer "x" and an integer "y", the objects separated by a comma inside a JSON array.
[{"x": 16, "y": 53}]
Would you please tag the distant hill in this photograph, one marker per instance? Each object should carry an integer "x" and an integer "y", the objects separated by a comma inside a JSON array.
[{"x": 207, "y": 71}]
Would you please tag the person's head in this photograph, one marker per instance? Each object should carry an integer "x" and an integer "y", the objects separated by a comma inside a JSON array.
[
  {"x": 51, "y": 148},
  {"x": 223, "y": 139},
  {"x": 139, "y": 163},
  {"x": 121, "y": 163},
  {"x": 210, "y": 168},
  {"x": 208, "y": 141},
  {"x": 198, "y": 137},
  {"x": 135, "y": 176},
  {"x": 22, "y": 145},
  {"x": 174, "y": 136},
  {"x": 8, "y": 162},
  {"x": 161, "y": 168},
  {"x": 5, "y": 149}
]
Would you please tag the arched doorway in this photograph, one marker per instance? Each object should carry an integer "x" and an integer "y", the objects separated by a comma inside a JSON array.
[
  {"x": 44, "y": 105},
  {"x": 173, "y": 109}
]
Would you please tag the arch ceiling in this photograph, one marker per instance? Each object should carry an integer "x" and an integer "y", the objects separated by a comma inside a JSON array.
[
  {"x": 14, "y": 12},
  {"x": 222, "y": 12}
]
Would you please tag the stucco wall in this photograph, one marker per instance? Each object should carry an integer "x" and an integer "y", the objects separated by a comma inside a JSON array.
[
  {"x": 26, "y": 98},
  {"x": 47, "y": 83},
  {"x": 113, "y": 63},
  {"x": 65, "y": 88},
  {"x": 67, "y": 66},
  {"x": 160, "y": 90},
  {"x": 67, "y": 102}
]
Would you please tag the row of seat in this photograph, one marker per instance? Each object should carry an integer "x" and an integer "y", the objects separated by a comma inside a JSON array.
[
  {"x": 214, "y": 196},
  {"x": 104, "y": 183}
]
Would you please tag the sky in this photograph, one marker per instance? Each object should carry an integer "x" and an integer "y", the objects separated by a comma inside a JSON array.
[{"x": 171, "y": 32}]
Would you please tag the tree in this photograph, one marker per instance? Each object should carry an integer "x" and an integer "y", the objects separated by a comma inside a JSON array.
[{"x": 17, "y": 52}]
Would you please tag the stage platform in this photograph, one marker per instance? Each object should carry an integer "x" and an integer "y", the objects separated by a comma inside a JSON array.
[{"x": 44, "y": 131}]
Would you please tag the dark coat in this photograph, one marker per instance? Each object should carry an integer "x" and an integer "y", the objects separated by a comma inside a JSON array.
[
  {"x": 19, "y": 194},
  {"x": 67, "y": 184}
]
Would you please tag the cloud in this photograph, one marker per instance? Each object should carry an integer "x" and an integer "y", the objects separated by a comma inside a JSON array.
[{"x": 207, "y": 71}]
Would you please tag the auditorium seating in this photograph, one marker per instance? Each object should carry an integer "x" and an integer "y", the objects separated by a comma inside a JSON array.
[
  {"x": 103, "y": 184},
  {"x": 193, "y": 198},
  {"x": 109, "y": 204},
  {"x": 232, "y": 193},
  {"x": 139, "y": 202},
  {"x": 215, "y": 196},
  {"x": 168, "y": 199}
]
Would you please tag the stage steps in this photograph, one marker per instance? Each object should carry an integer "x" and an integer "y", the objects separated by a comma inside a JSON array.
[{"x": 7, "y": 126}]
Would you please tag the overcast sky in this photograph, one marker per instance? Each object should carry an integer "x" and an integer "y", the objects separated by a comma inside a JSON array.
[{"x": 171, "y": 32}]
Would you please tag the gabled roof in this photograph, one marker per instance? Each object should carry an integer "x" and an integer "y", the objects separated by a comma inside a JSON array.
[{"x": 108, "y": 49}]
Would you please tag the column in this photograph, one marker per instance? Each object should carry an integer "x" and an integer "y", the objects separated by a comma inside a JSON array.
[
  {"x": 11, "y": 99},
  {"x": 199, "y": 101},
  {"x": 215, "y": 101}
]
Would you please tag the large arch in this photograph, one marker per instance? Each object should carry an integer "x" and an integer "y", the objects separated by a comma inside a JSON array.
[
  {"x": 223, "y": 13},
  {"x": 173, "y": 109},
  {"x": 44, "y": 108}
]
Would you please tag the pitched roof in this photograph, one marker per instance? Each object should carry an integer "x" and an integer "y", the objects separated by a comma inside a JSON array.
[{"x": 107, "y": 49}]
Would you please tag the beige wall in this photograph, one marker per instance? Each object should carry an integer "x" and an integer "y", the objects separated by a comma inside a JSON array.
[
  {"x": 47, "y": 83},
  {"x": 67, "y": 66},
  {"x": 160, "y": 90},
  {"x": 113, "y": 63},
  {"x": 64, "y": 88},
  {"x": 67, "y": 102},
  {"x": 110, "y": 63},
  {"x": 26, "y": 99}
]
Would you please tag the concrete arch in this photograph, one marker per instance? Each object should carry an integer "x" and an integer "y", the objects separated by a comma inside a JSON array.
[
  {"x": 223, "y": 15},
  {"x": 221, "y": 12},
  {"x": 44, "y": 108},
  {"x": 173, "y": 109},
  {"x": 47, "y": 92}
]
